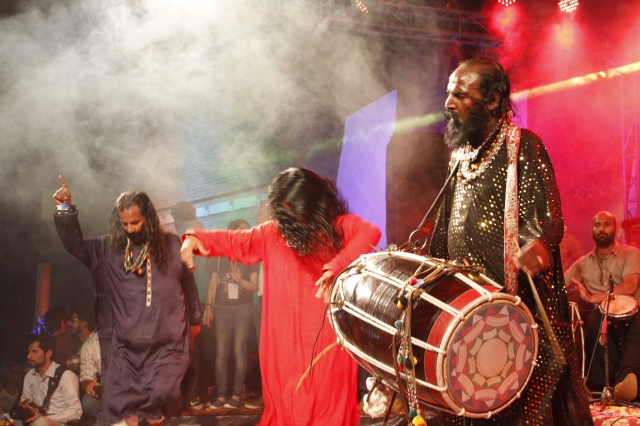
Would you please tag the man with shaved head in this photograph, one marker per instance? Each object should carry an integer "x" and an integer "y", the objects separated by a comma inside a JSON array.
[{"x": 591, "y": 274}]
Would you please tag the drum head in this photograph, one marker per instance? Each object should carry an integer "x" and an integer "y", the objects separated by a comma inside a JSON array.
[{"x": 491, "y": 356}]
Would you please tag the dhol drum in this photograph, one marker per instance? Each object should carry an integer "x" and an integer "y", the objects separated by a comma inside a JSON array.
[
  {"x": 621, "y": 307},
  {"x": 578, "y": 336},
  {"x": 476, "y": 346}
]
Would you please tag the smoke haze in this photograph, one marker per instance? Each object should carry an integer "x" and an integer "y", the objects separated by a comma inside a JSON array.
[{"x": 112, "y": 93}]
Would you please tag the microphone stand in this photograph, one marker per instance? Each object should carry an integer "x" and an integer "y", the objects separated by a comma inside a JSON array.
[{"x": 608, "y": 394}]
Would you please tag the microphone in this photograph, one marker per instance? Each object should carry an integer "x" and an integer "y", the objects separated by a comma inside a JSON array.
[{"x": 611, "y": 283}]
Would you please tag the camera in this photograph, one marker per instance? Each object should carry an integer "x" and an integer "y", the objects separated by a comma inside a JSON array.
[
  {"x": 97, "y": 389},
  {"x": 23, "y": 413}
]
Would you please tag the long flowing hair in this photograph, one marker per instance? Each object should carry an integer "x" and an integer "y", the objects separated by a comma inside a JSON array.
[
  {"x": 306, "y": 207},
  {"x": 152, "y": 229}
]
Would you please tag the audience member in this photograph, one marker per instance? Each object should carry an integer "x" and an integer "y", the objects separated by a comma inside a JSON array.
[
  {"x": 230, "y": 301},
  {"x": 184, "y": 215},
  {"x": 258, "y": 403},
  {"x": 11, "y": 380},
  {"x": 60, "y": 403},
  {"x": 55, "y": 322},
  {"x": 80, "y": 325},
  {"x": 90, "y": 372}
]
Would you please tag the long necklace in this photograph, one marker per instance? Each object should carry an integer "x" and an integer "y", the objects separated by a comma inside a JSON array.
[
  {"x": 129, "y": 264},
  {"x": 469, "y": 168},
  {"x": 137, "y": 266}
]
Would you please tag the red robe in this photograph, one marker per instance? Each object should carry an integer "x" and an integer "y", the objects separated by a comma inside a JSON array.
[{"x": 292, "y": 317}]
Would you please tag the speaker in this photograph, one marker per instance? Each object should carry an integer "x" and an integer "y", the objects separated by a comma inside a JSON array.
[{"x": 416, "y": 170}]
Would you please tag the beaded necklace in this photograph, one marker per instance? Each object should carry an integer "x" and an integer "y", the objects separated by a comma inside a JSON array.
[
  {"x": 470, "y": 168},
  {"x": 129, "y": 264},
  {"x": 137, "y": 266}
]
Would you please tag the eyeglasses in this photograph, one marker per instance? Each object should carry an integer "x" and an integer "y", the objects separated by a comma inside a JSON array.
[{"x": 70, "y": 320}]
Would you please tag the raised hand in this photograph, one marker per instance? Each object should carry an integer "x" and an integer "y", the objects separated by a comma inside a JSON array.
[
  {"x": 62, "y": 195},
  {"x": 236, "y": 276}
]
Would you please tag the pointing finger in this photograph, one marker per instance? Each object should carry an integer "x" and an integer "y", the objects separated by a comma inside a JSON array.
[{"x": 63, "y": 182}]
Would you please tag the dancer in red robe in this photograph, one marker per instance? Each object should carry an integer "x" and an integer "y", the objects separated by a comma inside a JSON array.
[{"x": 310, "y": 236}]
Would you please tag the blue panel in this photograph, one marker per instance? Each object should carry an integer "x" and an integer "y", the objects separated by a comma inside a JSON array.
[{"x": 362, "y": 170}]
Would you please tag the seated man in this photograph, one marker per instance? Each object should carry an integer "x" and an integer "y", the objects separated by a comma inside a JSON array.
[
  {"x": 61, "y": 403},
  {"x": 11, "y": 379},
  {"x": 591, "y": 274},
  {"x": 90, "y": 370},
  {"x": 81, "y": 326}
]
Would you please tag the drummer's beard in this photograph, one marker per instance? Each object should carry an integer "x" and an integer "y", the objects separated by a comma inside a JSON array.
[
  {"x": 460, "y": 133},
  {"x": 603, "y": 239}
]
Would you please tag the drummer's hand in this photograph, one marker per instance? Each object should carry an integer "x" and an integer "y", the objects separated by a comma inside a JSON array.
[
  {"x": 584, "y": 293},
  {"x": 533, "y": 259},
  {"x": 191, "y": 245},
  {"x": 62, "y": 195},
  {"x": 325, "y": 285}
]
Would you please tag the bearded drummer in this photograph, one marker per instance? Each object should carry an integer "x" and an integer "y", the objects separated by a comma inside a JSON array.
[
  {"x": 501, "y": 211},
  {"x": 590, "y": 274},
  {"x": 310, "y": 239}
]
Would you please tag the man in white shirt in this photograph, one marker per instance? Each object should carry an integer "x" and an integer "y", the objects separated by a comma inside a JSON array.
[
  {"x": 63, "y": 408},
  {"x": 90, "y": 371}
]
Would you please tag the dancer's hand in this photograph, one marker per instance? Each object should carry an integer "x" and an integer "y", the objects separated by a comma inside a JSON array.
[
  {"x": 62, "y": 195},
  {"x": 324, "y": 284},
  {"x": 190, "y": 246}
]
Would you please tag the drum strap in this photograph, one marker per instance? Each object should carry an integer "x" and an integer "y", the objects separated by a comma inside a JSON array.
[{"x": 511, "y": 244}]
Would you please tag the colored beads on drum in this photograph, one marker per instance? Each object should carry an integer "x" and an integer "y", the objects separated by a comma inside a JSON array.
[
  {"x": 418, "y": 421},
  {"x": 401, "y": 302}
]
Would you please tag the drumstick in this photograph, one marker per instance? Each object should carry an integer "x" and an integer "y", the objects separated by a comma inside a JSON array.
[
  {"x": 316, "y": 359},
  {"x": 555, "y": 345}
]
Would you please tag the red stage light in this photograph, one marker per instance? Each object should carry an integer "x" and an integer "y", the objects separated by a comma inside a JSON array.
[
  {"x": 568, "y": 5},
  {"x": 506, "y": 2}
]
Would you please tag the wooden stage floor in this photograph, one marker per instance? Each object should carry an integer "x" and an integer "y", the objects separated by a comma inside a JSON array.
[{"x": 610, "y": 416}]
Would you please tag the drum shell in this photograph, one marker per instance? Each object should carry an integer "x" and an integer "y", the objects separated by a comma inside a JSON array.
[{"x": 429, "y": 323}]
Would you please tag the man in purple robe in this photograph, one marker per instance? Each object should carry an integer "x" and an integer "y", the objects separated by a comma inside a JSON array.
[{"x": 145, "y": 301}]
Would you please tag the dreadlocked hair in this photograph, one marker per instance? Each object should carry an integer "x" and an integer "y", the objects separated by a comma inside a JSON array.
[
  {"x": 152, "y": 229},
  {"x": 306, "y": 207}
]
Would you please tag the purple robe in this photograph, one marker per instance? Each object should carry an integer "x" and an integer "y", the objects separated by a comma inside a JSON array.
[{"x": 145, "y": 350}]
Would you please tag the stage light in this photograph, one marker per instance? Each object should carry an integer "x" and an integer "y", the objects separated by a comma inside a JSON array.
[
  {"x": 568, "y": 5},
  {"x": 575, "y": 81},
  {"x": 506, "y": 2},
  {"x": 363, "y": 7}
]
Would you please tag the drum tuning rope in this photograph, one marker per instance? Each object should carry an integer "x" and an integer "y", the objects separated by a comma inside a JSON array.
[{"x": 404, "y": 361}]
